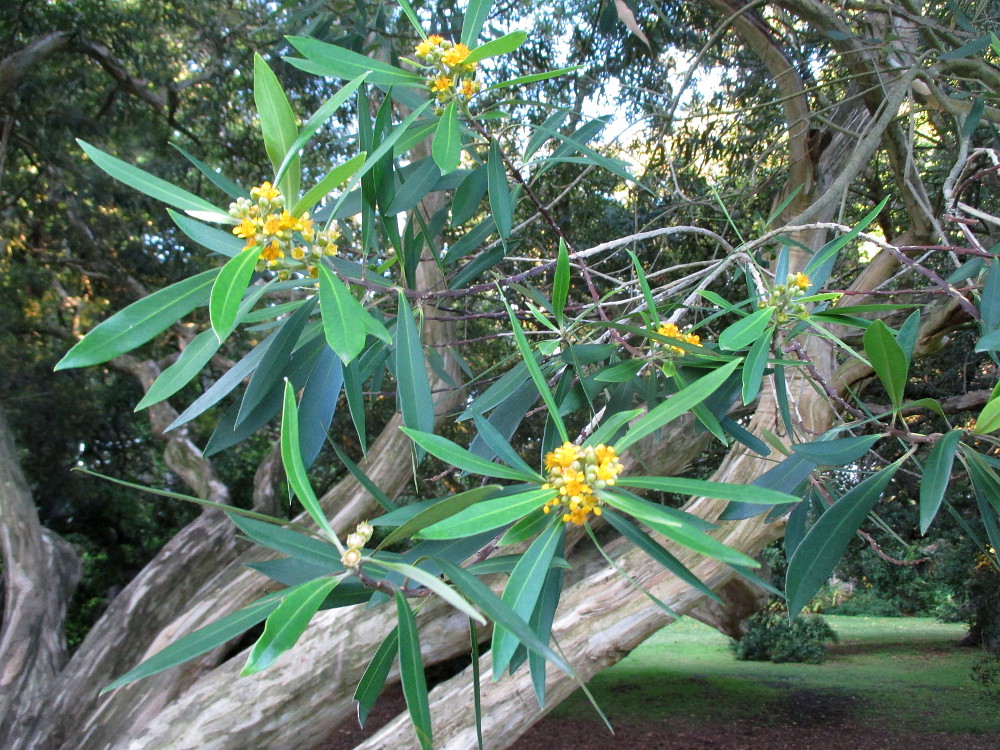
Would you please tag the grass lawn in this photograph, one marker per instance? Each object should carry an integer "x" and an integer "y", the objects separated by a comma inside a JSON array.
[{"x": 902, "y": 674}]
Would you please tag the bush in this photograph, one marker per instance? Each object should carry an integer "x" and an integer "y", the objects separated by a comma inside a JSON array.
[{"x": 771, "y": 637}]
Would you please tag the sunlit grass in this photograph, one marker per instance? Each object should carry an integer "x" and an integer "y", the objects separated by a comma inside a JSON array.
[{"x": 904, "y": 673}]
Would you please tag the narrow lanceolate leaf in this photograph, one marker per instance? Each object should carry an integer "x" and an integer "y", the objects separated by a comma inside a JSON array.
[
  {"x": 411, "y": 674},
  {"x": 447, "y": 146},
  {"x": 487, "y": 515},
  {"x": 277, "y": 125},
  {"x": 753, "y": 368},
  {"x": 287, "y": 622},
  {"x": 475, "y": 16},
  {"x": 500, "y": 202},
  {"x": 676, "y": 405},
  {"x": 837, "y": 452},
  {"x": 745, "y": 331},
  {"x": 528, "y": 357},
  {"x": 155, "y": 187},
  {"x": 373, "y": 680},
  {"x": 295, "y": 470},
  {"x": 140, "y": 321},
  {"x": 319, "y": 118},
  {"x": 339, "y": 62},
  {"x": 200, "y": 641},
  {"x": 228, "y": 289},
  {"x": 498, "y": 611},
  {"x": 194, "y": 357},
  {"x": 822, "y": 547},
  {"x": 560, "y": 282},
  {"x": 341, "y": 316},
  {"x": 460, "y": 458},
  {"x": 435, "y": 584},
  {"x": 937, "y": 473},
  {"x": 324, "y": 187},
  {"x": 216, "y": 240},
  {"x": 703, "y": 488},
  {"x": 438, "y": 512},
  {"x": 523, "y": 588},
  {"x": 988, "y": 420},
  {"x": 413, "y": 388},
  {"x": 501, "y": 46},
  {"x": 888, "y": 359}
]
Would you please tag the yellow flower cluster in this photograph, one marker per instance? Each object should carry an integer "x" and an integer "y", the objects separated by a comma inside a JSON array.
[
  {"x": 290, "y": 244},
  {"x": 671, "y": 330},
  {"x": 786, "y": 297},
  {"x": 576, "y": 472},
  {"x": 448, "y": 75},
  {"x": 355, "y": 543}
]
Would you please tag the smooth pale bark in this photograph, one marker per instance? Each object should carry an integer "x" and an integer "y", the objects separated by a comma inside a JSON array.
[{"x": 40, "y": 572}]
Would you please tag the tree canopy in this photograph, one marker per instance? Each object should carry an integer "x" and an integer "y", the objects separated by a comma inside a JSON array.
[{"x": 569, "y": 309}]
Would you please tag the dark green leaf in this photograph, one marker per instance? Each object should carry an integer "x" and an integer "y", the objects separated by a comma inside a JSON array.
[
  {"x": 753, "y": 367},
  {"x": 201, "y": 641},
  {"x": 413, "y": 389},
  {"x": 411, "y": 673},
  {"x": 745, "y": 331},
  {"x": 324, "y": 187},
  {"x": 439, "y": 511},
  {"x": 704, "y": 488},
  {"x": 373, "y": 680},
  {"x": 277, "y": 125},
  {"x": 140, "y": 321},
  {"x": 337, "y": 62},
  {"x": 500, "y": 201},
  {"x": 888, "y": 360},
  {"x": 560, "y": 282},
  {"x": 487, "y": 515},
  {"x": 228, "y": 290},
  {"x": 836, "y": 452},
  {"x": 937, "y": 474},
  {"x": 216, "y": 240},
  {"x": 194, "y": 357},
  {"x": 341, "y": 315},
  {"x": 156, "y": 188},
  {"x": 819, "y": 552},
  {"x": 447, "y": 146}
]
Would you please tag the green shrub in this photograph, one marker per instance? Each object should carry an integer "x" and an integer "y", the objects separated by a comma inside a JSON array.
[{"x": 771, "y": 637}]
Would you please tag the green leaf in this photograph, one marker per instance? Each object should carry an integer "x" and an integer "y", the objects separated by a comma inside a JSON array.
[
  {"x": 473, "y": 20},
  {"x": 201, "y": 641},
  {"x": 672, "y": 527},
  {"x": 815, "y": 267},
  {"x": 678, "y": 404},
  {"x": 621, "y": 372},
  {"x": 468, "y": 196},
  {"x": 644, "y": 542},
  {"x": 937, "y": 474},
  {"x": 295, "y": 470},
  {"x": 967, "y": 50},
  {"x": 435, "y": 584},
  {"x": 822, "y": 547},
  {"x": 498, "y": 611},
  {"x": 373, "y": 680},
  {"x": 411, "y": 673},
  {"x": 447, "y": 146},
  {"x": 448, "y": 507},
  {"x": 535, "y": 371},
  {"x": 341, "y": 314},
  {"x": 534, "y": 77},
  {"x": 337, "y": 62},
  {"x": 194, "y": 357},
  {"x": 139, "y": 322},
  {"x": 155, "y": 187},
  {"x": 287, "y": 622},
  {"x": 523, "y": 589},
  {"x": 753, "y": 367},
  {"x": 419, "y": 182},
  {"x": 704, "y": 488},
  {"x": 647, "y": 293},
  {"x": 560, "y": 282},
  {"x": 606, "y": 432},
  {"x": 222, "y": 182},
  {"x": 277, "y": 125},
  {"x": 319, "y": 118},
  {"x": 487, "y": 515},
  {"x": 324, "y": 187},
  {"x": 296, "y": 544},
  {"x": 501, "y": 46},
  {"x": 745, "y": 331},
  {"x": 228, "y": 290},
  {"x": 989, "y": 418},
  {"x": 500, "y": 201},
  {"x": 413, "y": 389},
  {"x": 457, "y": 456},
  {"x": 888, "y": 360},
  {"x": 223, "y": 243},
  {"x": 836, "y": 452}
]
